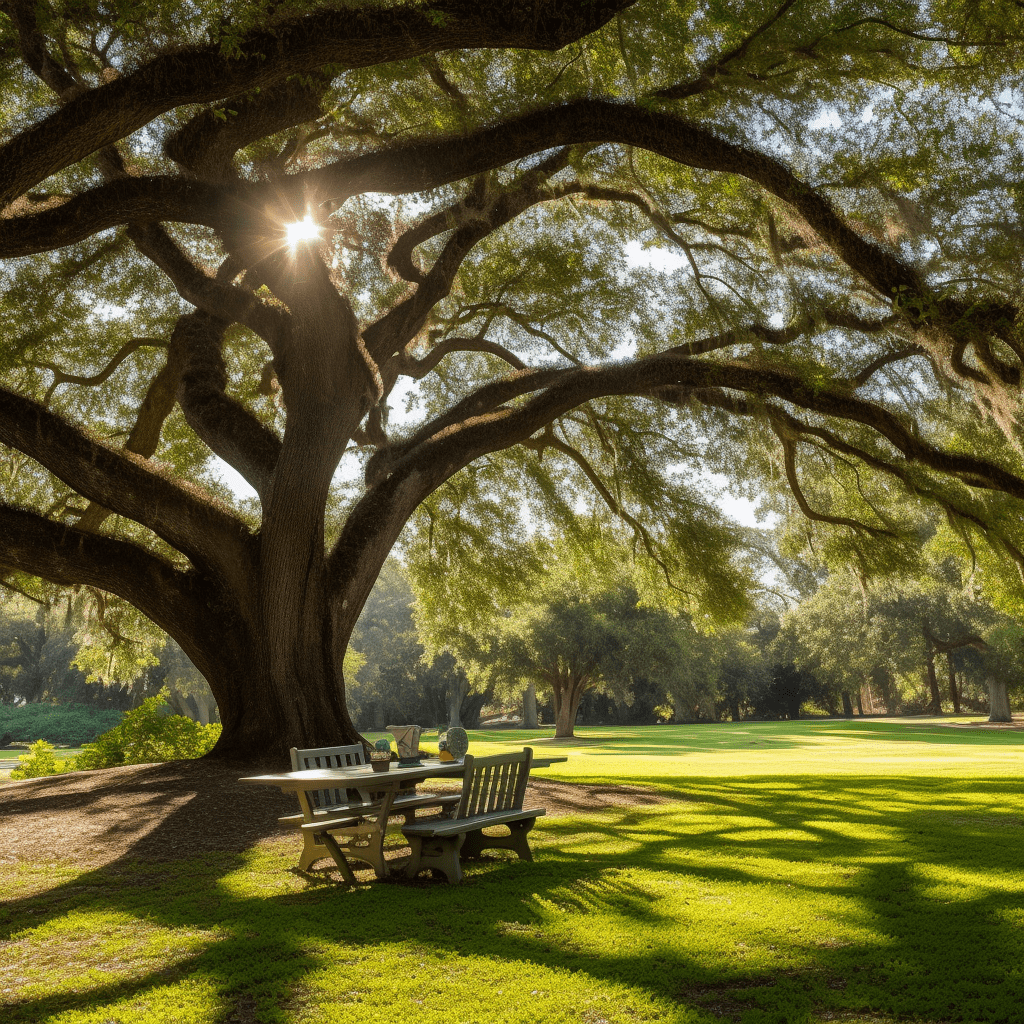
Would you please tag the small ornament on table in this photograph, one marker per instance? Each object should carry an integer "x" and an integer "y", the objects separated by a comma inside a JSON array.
[
  {"x": 408, "y": 739},
  {"x": 453, "y": 744}
]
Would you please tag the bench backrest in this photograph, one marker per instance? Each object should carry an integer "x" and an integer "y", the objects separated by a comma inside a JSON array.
[
  {"x": 495, "y": 783},
  {"x": 327, "y": 757}
]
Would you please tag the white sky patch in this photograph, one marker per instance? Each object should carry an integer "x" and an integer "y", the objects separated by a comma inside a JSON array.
[
  {"x": 664, "y": 260},
  {"x": 827, "y": 118},
  {"x": 742, "y": 510},
  {"x": 230, "y": 477},
  {"x": 867, "y": 113}
]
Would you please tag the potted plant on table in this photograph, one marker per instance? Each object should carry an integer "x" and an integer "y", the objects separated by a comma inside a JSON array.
[{"x": 380, "y": 756}]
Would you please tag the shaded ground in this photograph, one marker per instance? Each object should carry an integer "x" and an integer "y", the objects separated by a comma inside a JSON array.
[{"x": 182, "y": 808}]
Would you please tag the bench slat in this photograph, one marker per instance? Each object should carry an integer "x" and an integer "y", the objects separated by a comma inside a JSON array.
[{"x": 452, "y": 827}]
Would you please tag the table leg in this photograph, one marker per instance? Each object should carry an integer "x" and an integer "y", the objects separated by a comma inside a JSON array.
[{"x": 339, "y": 858}]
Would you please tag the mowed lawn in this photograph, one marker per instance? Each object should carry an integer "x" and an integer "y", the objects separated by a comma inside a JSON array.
[{"x": 799, "y": 872}]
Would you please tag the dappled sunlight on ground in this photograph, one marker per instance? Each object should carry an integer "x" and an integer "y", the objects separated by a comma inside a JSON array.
[{"x": 777, "y": 896}]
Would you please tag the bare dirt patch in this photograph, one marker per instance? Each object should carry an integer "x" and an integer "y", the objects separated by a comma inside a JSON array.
[{"x": 184, "y": 808}]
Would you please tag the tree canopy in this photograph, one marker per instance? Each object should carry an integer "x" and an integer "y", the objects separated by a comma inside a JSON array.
[{"x": 243, "y": 230}]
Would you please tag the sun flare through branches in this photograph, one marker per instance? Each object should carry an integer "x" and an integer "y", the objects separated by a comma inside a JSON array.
[{"x": 305, "y": 230}]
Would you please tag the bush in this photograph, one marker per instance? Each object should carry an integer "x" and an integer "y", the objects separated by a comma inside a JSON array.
[
  {"x": 148, "y": 734},
  {"x": 38, "y": 762},
  {"x": 70, "y": 724}
]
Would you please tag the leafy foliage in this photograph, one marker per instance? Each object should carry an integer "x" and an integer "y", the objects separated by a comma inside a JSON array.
[
  {"x": 40, "y": 761},
  {"x": 396, "y": 681},
  {"x": 597, "y": 250},
  {"x": 70, "y": 725},
  {"x": 146, "y": 734}
]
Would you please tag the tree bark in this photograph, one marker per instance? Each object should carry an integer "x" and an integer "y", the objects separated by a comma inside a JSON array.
[
  {"x": 456, "y": 694},
  {"x": 848, "y": 704},
  {"x": 935, "y": 707},
  {"x": 530, "y": 707},
  {"x": 568, "y": 689},
  {"x": 998, "y": 701},
  {"x": 954, "y": 693}
]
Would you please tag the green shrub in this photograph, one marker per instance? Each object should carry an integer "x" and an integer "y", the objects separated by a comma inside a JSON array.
[
  {"x": 39, "y": 761},
  {"x": 70, "y": 724},
  {"x": 149, "y": 734}
]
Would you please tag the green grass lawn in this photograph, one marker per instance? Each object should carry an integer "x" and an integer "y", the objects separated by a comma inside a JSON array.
[{"x": 800, "y": 872}]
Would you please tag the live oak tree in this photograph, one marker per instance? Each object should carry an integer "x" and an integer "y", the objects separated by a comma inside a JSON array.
[{"x": 834, "y": 178}]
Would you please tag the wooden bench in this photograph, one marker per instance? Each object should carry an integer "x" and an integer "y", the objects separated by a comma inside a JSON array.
[
  {"x": 493, "y": 790},
  {"x": 355, "y": 815}
]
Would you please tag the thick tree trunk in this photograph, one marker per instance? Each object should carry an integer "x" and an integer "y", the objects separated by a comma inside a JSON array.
[
  {"x": 568, "y": 690},
  {"x": 265, "y": 715},
  {"x": 530, "y": 707},
  {"x": 565, "y": 718},
  {"x": 998, "y": 701},
  {"x": 734, "y": 710},
  {"x": 935, "y": 707},
  {"x": 848, "y": 704},
  {"x": 456, "y": 694},
  {"x": 278, "y": 679},
  {"x": 954, "y": 693}
]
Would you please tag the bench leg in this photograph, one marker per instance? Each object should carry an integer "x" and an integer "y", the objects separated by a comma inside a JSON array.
[
  {"x": 312, "y": 851},
  {"x": 440, "y": 854},
  {"x": 477, "y": 842}
]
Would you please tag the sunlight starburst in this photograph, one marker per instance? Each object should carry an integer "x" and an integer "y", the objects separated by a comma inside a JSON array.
[{"x": 305, "y": 230}]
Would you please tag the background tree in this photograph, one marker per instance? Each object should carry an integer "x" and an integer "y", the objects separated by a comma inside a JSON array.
[
  {"x": 572, "y": 623},
  {"x": 847, "y": 292},
  {"x": 395, "y": 683}
]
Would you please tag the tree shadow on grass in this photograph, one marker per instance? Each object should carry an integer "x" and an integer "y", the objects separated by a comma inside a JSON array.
[{"x": 925, "y": 914}]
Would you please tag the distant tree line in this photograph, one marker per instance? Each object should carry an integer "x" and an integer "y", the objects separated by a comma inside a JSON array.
[
  {"x": 78, "y": 649},
  {"x": 570, "y": 638}
]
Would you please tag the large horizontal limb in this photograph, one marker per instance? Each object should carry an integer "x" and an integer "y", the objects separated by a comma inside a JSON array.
[
  {"x": 195, "y": 611},
  {"x": 68, "y": 556},
  {"x": 344, "y": 37},
  {"x": 127, "y": 485},
  {"x": 419, "y": 166},
  {"x": 423, "y": 464}
]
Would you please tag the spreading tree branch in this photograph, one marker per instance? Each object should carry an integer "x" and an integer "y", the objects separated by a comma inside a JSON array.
[
  {"x": 226, "y": 427},
  {"x": 68, "y": 556},
  {"x": 340, "y": 37},
  {"x": 127, "y": 485}
]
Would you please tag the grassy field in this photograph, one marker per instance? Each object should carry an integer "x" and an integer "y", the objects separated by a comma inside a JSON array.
[{"x": 801, "y": 872}]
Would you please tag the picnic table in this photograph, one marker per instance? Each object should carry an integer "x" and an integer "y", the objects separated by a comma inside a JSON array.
[{"x": 363, "y": 825}]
